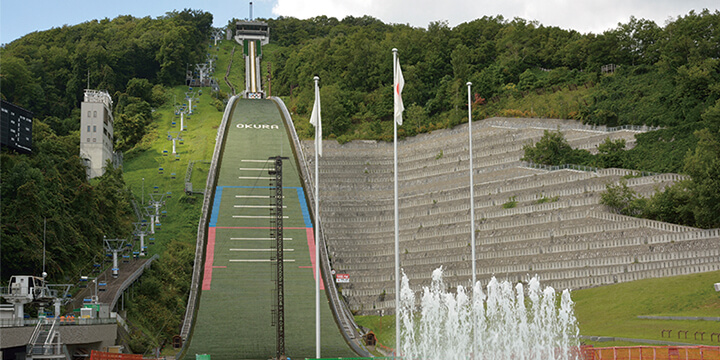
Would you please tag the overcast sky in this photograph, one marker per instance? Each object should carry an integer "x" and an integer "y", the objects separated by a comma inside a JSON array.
[{"x": 20, "y": 17}]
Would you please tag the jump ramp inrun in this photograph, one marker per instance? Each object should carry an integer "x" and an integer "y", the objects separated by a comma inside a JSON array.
[{"x": 234, "y": 319}]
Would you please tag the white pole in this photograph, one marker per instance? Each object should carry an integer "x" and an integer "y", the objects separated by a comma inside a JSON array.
[
  {"x": 115, "y": 263},
  {"x": 174, "y": 146},
  {"x": 182, "y": 122},
  {"x": 44, "y": 242},
  {"x": 190, "y": 105},
  {"x": 317, "y": 238},
  {"x": 142, "y": 243},
  {"x": 472, "y": 194},
  {"x": 397, "y": 233},
  {"x": 472, "y": 204}
]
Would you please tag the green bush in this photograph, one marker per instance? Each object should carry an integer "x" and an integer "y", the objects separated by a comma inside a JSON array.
[{"x": 511, "y": 203}]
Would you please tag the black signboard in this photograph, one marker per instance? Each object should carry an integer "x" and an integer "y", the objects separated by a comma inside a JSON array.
[{"x": 16, "y": 127}]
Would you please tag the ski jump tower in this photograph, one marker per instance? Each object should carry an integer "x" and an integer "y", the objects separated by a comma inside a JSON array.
[{"x": 252, "y": 35}]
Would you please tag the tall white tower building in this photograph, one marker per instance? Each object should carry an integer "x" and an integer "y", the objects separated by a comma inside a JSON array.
[{"x": 96, "y": 131}]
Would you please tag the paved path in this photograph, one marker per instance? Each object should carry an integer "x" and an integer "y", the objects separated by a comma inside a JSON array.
[{"x": 113, "y": 285}]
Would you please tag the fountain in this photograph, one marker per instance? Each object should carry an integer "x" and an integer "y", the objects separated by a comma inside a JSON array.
[{"x": 503, "y": 323}]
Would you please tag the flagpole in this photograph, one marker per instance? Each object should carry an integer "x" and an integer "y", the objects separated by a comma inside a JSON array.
[
  {"x": 397, "y": 233},
  {"x": 317, "y": 235},
  {"x": 472, "y": 195}
]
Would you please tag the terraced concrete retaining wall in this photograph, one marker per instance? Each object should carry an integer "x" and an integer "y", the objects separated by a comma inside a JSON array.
[{"x": 529, "y": 220}]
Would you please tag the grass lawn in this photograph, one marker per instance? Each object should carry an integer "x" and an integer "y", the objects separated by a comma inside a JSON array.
[{"x": 612, "y": 310}]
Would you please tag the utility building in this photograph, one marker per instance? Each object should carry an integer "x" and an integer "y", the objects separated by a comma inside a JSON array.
[{"x": 96, "y": 132}]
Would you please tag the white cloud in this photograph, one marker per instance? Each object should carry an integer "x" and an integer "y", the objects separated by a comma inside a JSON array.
[{"x": 584, "y": 15}]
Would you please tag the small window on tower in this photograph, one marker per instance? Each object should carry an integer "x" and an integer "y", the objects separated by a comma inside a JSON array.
[
  {"x": 94, "y": 140},
  {"x": 88, "y": 139},
  {"x": 88, "y": 113},
  {"x": 95, "y": 113},
  {"x": 94, "y": 128},
  {"x": 88, "y": 128}
]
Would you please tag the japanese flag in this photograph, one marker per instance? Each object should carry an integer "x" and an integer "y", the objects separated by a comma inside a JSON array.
[{"x": 397, "y": 90}]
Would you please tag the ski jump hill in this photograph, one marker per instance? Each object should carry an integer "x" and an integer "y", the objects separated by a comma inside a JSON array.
[
  {"x": 557, "y": 228},
  {"x": 529, "y": 220},
  {"x": 232, "y": 294}
]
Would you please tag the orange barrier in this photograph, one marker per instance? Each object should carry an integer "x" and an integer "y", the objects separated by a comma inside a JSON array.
[
  {"x": 652, "y": 353},
  {"x": 99, "y": 355}
]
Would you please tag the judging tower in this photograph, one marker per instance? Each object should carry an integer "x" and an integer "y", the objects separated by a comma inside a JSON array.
[{"x": 96, "y": 132}]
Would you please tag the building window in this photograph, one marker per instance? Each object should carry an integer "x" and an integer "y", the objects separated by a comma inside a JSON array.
[
  {"x": 88, "y": 113},
  {"x": 95, "y": 113},
  {"x": 88, "y": 128},
  {"x": 88, "y": 139},
  {"x": 94, "y": 128},
  {"x": 94, "y": 140}
]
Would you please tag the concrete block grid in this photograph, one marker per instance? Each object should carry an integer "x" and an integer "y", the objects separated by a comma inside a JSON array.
[{"x": 573, "y": 241}]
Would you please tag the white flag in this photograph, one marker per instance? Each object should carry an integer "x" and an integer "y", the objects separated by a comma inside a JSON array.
[
  {"x": 397, "y": 90},
  {"x": 316, "y": 119}
]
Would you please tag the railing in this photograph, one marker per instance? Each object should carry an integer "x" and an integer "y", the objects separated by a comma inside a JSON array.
[
  {"x": 130, "y": 279},
  {"x": 652, "y": 353},
  {"x": 339, "y": 308},
  {"x": 530, "y": 123},
  {"x": 62, "y": 321},
  {"x": 533, "y": 165}
]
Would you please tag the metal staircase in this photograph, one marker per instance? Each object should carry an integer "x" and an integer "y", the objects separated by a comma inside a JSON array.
[{"x": 45, "y": 342}]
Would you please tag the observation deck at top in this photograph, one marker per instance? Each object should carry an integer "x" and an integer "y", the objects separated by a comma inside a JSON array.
[
  {"x": 252, "y": 35},
  {"x": 252, "y": 30}
]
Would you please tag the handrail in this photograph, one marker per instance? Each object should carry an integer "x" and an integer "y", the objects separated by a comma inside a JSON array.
[
  {"x": 338, "y": 307},
  {"x": 531, "y": 123},
  {"x": 130, "y": 279},
  {"x": 208, "y": 197},
  {"x": 36, "y": 332}
]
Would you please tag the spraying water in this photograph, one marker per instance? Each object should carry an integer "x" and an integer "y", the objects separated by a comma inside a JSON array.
[{"x": 502, "y": 324}]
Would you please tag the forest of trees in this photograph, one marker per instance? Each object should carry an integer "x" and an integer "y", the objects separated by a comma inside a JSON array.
[
  {"x": 46, "y": 72},
  {"x": 666, "y": 76}
]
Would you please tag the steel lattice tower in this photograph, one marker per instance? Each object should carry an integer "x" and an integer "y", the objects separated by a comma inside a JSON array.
[{"x": 277, "y": 211}]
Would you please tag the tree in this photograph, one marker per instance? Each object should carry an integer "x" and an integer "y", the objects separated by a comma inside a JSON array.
[
  {"x": 611, "y": 154},
  {"x": 621, "y": 199},
  {"x": 703, "y": 165},
  {"x": 551, "y": 149}
]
